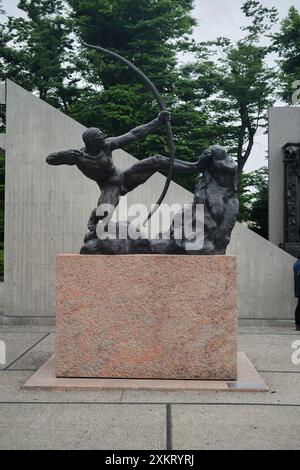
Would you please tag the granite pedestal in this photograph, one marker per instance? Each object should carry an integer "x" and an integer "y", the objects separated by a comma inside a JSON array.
[{"x": 147, "y": 317}]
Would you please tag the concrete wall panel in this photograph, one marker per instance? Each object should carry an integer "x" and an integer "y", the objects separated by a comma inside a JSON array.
[
  {"x": 265, "y": 277},
  {"x": 2, "y": 93}
]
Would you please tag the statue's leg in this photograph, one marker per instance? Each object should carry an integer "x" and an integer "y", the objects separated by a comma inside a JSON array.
[
  {"x": 141, "y": 171},
  {"x": 108, "y": 201},
  {"x": 93, "y": 221}
]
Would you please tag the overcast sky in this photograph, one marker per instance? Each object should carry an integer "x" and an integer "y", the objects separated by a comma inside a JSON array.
[{"x": 217, "y": 18}]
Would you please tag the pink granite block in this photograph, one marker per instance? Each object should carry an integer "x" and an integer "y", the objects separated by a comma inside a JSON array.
[{"x": 147, "y": 317}]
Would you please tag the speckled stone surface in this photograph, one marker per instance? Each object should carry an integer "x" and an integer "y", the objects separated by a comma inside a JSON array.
[{"x": 147, "y": 317}]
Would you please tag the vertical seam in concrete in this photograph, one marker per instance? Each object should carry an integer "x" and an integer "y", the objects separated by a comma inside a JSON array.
[{"x": 169, "y": 437}]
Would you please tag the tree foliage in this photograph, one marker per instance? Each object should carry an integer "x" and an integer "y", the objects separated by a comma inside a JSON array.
[
  {"x": 254, "y": 200},
  {"x": 262, "y": 19},
  {"x": 240, "y": 83},
  {"x": 37, "y": 51},
  {"x": 287, "y": 44},
  {"x": 147, "y": 33}
]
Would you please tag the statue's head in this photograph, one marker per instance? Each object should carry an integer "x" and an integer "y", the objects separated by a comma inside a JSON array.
[
  {"x": 94, "y": 140},
  {"x": 219, "y": 152}
]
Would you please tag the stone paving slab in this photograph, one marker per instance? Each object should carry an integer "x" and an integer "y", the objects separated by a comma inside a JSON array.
[
  {"x": 284, "y": 389},
  {"x": 81, "y": 426},
  {"x": 235, "y": 427},
  {"x": 26, "y": 329},
  {"x": 137, "y": 419},
  {"x": 37, "y": 356},
  {"x": 270, "y": 352},
  {"x": 268, "y": 330},
  {"x": 17, "y": 344},
  {"x": 11, "y": 391}
]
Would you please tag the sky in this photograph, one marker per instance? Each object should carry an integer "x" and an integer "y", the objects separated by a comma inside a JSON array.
[{"x": 217, "y": 18}]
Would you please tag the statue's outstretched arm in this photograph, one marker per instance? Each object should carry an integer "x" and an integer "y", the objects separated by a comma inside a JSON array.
[
  {"x": 66, "y": 157},
  {"x": 138, "y": 133}
]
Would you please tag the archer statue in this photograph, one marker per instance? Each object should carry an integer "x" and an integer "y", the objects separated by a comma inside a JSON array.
[
  {"x": 216, "y": 189},
  {"x": 95, "y": 161}
]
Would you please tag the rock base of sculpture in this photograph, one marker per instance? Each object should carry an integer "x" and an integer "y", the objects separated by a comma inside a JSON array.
[
  {"x": 147, "y": 317},
  {"x": 165, "y": 244}
]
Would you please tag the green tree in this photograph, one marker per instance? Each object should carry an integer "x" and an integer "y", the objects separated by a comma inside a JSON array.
[
  {"x": 262, "y": 19},
  {"x": 146, "y": 32},
  {"x": 254, "y": 200},
  {"x": 240, "y": 81},
  {"x": 41, "y": 56},
  {"x": 37, "y": 52},
  {"x": 287, "y": 44},
  {"x": 246, "y": 92}
]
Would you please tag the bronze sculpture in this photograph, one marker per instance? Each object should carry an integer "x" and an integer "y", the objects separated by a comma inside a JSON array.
[
  {"x": 216, "y": 189},
  {"x": 95, "y": 162}
]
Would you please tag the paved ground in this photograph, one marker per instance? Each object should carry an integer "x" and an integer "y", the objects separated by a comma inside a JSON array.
[{"x": 150, "y": 420}]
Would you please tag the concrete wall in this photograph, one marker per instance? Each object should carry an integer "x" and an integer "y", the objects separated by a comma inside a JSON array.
[
  {"x": 2, "y": 93},
  {"x": 1, "y": 298},
  {"x": 2, "y": 148},
  {"x": 265, "y": 278},
  {"x": 284, "y": 127},
  {"x": 47, "y": 209}
]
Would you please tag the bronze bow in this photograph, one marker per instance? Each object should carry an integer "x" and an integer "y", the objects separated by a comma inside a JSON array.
[{"x": 162, "y": 106}]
